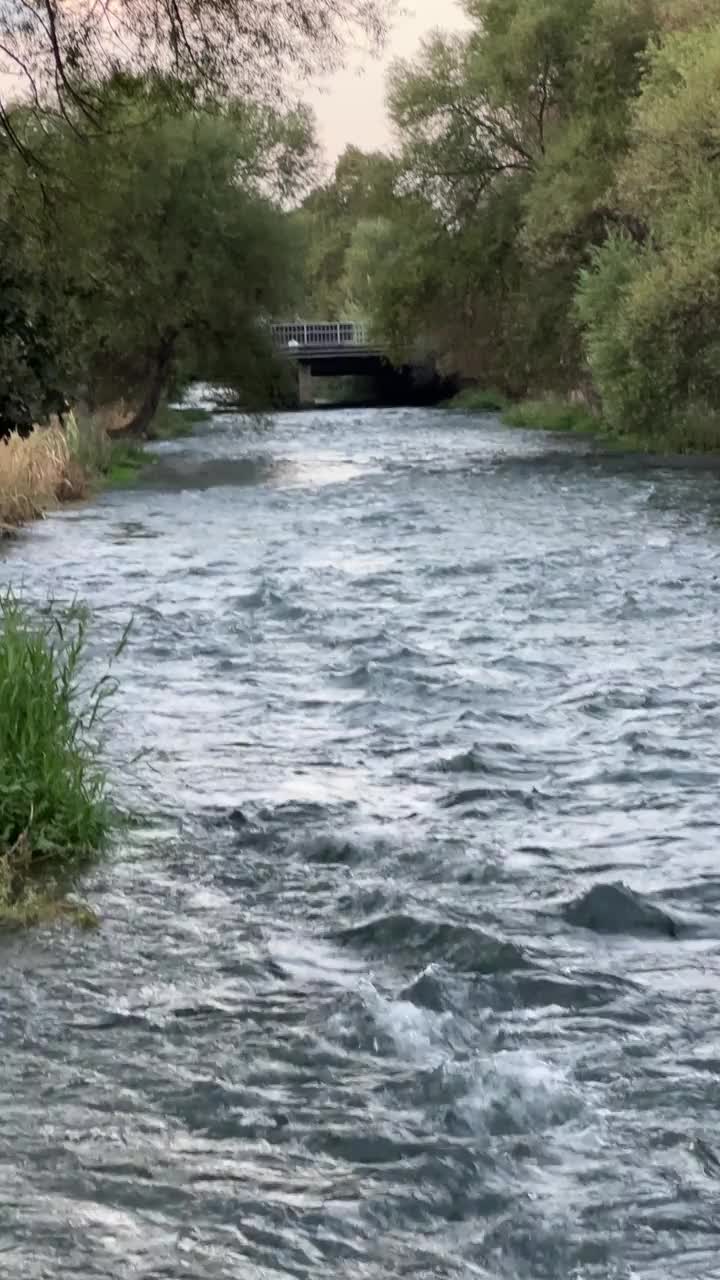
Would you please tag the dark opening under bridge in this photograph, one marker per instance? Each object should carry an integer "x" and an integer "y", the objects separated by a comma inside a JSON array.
[{"x": 338, "y": 349}]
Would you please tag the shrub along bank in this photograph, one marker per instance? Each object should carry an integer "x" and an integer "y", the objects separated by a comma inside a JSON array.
[{"x": 688, "y": 434}]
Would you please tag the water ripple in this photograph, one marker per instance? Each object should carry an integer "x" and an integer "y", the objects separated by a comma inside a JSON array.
[{"x": 412, "y": 970}]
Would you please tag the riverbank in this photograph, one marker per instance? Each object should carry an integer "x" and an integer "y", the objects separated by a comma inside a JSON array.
[
  {"x": 56, "y": 465},
  {"x": 537, "y": 415},
  {"x": 692, "y": 437},
  {"x": 55, "y": 813}
]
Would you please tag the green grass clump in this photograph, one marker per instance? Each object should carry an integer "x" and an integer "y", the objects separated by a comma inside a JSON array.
[
  {"x": 99, "y": 459},
  {"x": 54, "y": 805},
  {"x": 176, "y": 423},
  {"x": 551, "y": 415},
  {"x": 475, "y": 400},
  {"x": 125, "y": 462}
]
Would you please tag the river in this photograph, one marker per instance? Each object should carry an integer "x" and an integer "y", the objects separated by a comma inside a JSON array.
[{"x": 417, "y": 692}]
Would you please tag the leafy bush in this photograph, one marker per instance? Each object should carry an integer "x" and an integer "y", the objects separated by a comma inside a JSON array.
[
  {"x": 650, "y": 310},
  {"x": 650, "y": 320}
]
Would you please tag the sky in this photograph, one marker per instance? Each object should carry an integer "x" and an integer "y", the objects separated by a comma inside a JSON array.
[{"x": 350, "y": 106}]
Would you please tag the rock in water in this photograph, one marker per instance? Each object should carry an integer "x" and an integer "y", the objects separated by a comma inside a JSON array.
[
  {"x": 614, "y": 908},
  {"x": 237, "y": 818}
]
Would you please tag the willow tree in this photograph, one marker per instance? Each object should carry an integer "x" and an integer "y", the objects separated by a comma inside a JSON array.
[
  {"x": 162, "y": 251},
  {"x": 57, "y": 59},
  {"x": 46, "y": 46}
]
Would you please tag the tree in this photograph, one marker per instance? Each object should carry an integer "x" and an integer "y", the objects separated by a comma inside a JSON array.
[
  {"x": 167, "y": 240},
  {"x": 34, "y": 319},
  {"x": 361, "y": 188},
  {"x": 511, "y": 137},
  {"x": 370, "y": 254}
]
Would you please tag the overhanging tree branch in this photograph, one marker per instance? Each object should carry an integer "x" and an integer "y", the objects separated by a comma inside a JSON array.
[{"x": 218, "y": 45}]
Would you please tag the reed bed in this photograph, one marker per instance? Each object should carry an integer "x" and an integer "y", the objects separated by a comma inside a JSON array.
[{"x": 36, "y": 472}]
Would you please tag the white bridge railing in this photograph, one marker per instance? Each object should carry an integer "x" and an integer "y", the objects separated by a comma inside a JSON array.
[{"x": 342, "y": 333}]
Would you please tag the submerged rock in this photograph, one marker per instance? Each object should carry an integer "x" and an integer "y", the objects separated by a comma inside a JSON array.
[
  {"x": 460, "y": 946},
  {"x": 614, "y": 908}
]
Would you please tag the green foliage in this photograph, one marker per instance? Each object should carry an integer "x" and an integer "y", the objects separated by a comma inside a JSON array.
[
  {"x": 54, "y": 803},
  {"x": 510, "y": 138},
  {"x": 475, "y": 400},
  {"x": 554, "y": 215},
  {"x": 404, "y": 282},
  {"x": 125, "y": 464},
  {"x": 32, "y": 342},
  {"x": 586, "y": 136},
  {"x": 360, "y": 193},
  {"x": 651, "y": 314},
  {"x": 551, "y": 415},
  {"x": 670, "y": 178},
  {"x": 369, "y": 254},
  {"x": 123, "y": 460},
  {"x": 601, "y": 298},
  {"x": 159, "y": 241}
]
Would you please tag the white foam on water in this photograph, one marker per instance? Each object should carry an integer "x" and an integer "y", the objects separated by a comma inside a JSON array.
[
  {"x": 419, "y": 1035},
  {"x": 521, "y": 1091}
]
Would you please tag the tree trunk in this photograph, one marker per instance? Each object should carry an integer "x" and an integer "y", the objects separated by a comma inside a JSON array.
[{"x": 138, "y": 425}]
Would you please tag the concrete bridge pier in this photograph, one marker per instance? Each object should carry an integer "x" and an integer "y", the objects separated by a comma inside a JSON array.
[{"x": 306, "y": 395}]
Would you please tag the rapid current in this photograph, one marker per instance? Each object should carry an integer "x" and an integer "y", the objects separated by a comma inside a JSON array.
[{"x": 410, "y": 966}]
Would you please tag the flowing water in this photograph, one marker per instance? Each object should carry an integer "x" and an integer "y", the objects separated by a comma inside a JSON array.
[{"x": 369, "y": 1000}]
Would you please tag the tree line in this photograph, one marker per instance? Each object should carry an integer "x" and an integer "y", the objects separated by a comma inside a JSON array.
[
  {"x": 548, "y": 222},
  {"x": 550, "y": 219},
  {"x": 149, "y": 153}
]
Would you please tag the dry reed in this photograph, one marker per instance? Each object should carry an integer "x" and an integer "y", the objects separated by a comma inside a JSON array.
[{"x": 36, "y": 473}]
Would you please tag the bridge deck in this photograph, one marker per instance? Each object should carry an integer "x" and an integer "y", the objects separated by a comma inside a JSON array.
[{"x": 315, "y": 353}]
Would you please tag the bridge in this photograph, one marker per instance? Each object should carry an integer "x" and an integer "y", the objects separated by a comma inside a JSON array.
[
  {"x": 328, "y": 349},
  {"x": 342, "y": 348}
]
